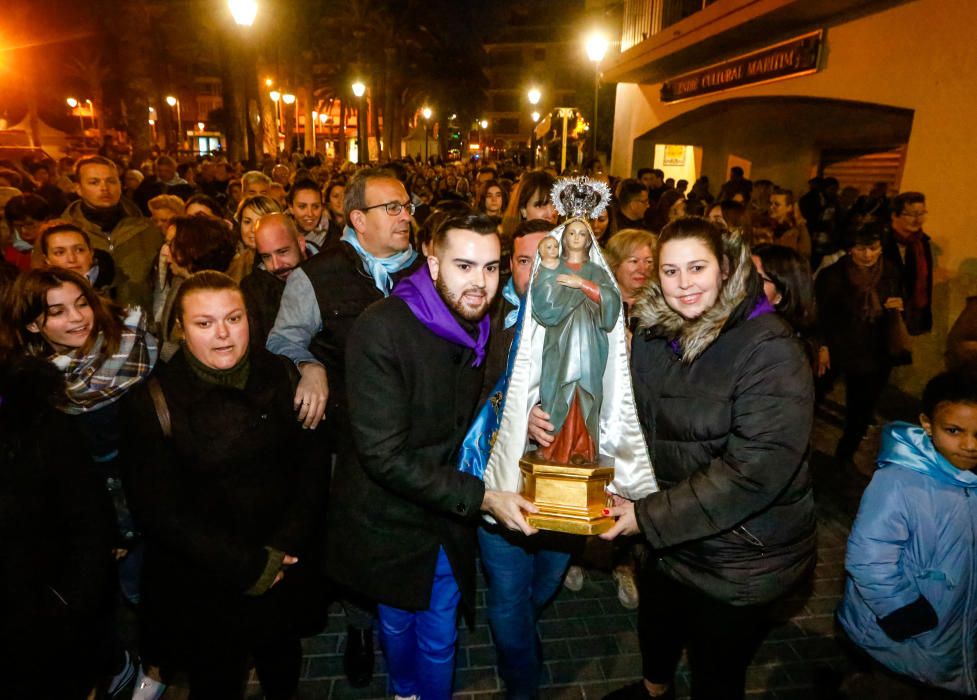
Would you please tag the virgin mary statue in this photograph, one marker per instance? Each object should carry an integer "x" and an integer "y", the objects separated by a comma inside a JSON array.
[{"x": 570, "y": 357}]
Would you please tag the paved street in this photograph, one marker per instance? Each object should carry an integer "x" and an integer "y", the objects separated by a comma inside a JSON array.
[{"x": 590, "y": 641}]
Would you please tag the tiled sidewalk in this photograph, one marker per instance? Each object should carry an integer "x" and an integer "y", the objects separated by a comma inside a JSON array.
[{"x": 590, "y": 641}]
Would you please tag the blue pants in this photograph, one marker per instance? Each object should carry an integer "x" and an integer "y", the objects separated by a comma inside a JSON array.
[
  {"x": 521, "y": 581},
  {"x": 420, "y": 646}
]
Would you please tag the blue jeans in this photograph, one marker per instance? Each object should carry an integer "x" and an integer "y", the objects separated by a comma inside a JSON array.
[
  {"x": 521, "y": 581},
  {"x": 420, "y": 646}
]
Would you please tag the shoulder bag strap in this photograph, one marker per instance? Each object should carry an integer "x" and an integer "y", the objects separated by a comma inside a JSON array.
[{"x": 159, "y": 403}]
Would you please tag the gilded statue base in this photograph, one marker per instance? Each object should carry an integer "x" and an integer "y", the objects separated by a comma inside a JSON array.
[{"x": 570, "y": 498}]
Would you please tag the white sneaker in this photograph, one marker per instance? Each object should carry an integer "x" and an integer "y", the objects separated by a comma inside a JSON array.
[
  {"x": 407, "y": 697},
  {"x": 121, "y": 679},
  {"x": 147, "y": 688},
  {"x": 574, "y": 578},
  {"x": 627, "y": 589}
]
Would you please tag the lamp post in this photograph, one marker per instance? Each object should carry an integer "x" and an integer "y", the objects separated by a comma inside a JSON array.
[
  {"x": 174, "y": 102},
  {"x": 244, "y": 13},
  {"x": 596, "y": 49},
  {"x": 359, "y": 90},
  {"x": 483, "y": 125},
  {"x": 290, "y": 99},
  {"x": 426, "y": 113},
  {"x": 533, "y": 96},
  {"x": 73, "y": 103}
]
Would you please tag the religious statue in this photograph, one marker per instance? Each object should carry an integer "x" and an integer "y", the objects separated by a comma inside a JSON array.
[
  {"x": 570, "y": 358},
  {"x": 579, "y": 304}
]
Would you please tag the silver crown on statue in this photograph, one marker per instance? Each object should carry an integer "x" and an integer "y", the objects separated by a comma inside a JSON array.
[{"x": 580, "y": 197}]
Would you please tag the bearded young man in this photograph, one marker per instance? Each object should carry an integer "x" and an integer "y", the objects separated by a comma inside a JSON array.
[{"x": 402, "y": 519}]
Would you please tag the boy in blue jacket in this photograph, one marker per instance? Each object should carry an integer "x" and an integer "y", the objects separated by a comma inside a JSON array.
[{"x": 911, "y": 596}]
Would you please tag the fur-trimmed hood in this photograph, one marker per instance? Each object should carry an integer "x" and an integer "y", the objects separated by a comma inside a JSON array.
[{"x": 656, "y": 317}]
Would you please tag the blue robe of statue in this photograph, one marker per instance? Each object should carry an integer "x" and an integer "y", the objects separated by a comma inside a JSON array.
[{"x": 576, "y": 341}]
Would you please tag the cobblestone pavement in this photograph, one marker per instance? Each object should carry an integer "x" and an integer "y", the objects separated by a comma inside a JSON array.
[{"x": 590, "y": 641}]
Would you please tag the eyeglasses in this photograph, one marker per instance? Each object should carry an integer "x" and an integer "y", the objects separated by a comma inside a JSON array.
[
  {"x": 393, "y": 208},
  {"x": 913, "y": 215}
]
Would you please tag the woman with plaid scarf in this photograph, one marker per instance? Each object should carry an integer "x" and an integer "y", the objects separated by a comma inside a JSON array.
[{"x": 102, "y": 352}]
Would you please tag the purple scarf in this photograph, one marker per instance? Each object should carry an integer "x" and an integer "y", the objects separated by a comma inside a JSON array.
[{"x": 418, "y": 291}]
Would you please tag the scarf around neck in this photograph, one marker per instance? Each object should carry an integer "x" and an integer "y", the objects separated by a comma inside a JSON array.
[
  {"x": 380, "y": 268},
  {"x": 236, "y": 376},
  {"x": 94, "y": 380},
  {"x": 424, "y": 301},
  {"x": 865, "y": 281}
]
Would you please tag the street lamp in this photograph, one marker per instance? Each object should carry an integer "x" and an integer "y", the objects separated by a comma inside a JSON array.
[
  {"x": 534, "y": 97},
  {"x": 596, "y": 49},
  {"x": 73, "y": 104},
  {"x": 243, "y": 11},
  {"x": 359, "y": 90},
  {"x": 174, "y": 102},
  {"x": 288, "y": 98},
  {"x": 426, "y": 113}
]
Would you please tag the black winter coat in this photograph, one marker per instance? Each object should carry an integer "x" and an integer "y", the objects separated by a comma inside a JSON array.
[
  {"x": 856, "y": 346},
  {"x": 57, "y": 576},
  {"x": 728, "y": 423},
  {"x": 263, "y": 295},
  {"x": 400, "y": 496},
  {"x": 235, "y": 477}
]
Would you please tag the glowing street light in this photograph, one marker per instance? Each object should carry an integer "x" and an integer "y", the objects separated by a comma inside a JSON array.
[
  {"x": 269, "y": 82},
  {"x": 201, "y": 126},
  {"x": 174, "y": 102},
  {"x": 362, "y": 144},
  {"x": 243, "y": 11},
  {"x": 426, "y": 113},
  {"x": 275, "y": 95},
  {"x": 288, "y": 98},
  {"x": 596, "y": 46},
  {"x": 535, "y": 116},
  {"x": 534, "y": 96},
  {"x": 72, "y": 102},
  {"x": 483, "y": 123}
]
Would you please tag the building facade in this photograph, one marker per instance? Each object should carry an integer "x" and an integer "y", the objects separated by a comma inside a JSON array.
[{"x": 865, "y": 91}]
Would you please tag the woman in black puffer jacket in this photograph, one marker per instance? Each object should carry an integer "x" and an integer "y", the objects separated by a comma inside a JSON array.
[{"x": 725, "y": 398}]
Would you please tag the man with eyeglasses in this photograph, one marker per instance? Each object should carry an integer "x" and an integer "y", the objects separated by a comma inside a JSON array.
[
  {"x": 322, "y": 299},
  {"x": 908, "y": 247}
]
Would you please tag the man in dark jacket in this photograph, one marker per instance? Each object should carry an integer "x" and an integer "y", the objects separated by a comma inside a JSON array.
[
  {"x": 524, "y": 573},
  {"x": 401, "y": 526},
  {"x": 321, "y": 300},
  {"x": 281, "y": 248}
]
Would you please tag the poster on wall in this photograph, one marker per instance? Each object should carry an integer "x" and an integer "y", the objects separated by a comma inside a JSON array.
[{"x": 674, "y": 155}]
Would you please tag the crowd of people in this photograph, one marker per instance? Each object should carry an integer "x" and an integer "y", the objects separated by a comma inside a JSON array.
[{"x": 230, "y": 398}]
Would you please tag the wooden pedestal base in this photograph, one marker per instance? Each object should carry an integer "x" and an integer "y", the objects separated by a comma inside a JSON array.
[{"x": 570, "y": 498}]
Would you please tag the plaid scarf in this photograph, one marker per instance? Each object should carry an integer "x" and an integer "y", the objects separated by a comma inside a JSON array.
[{"x": 94, "y": 380}]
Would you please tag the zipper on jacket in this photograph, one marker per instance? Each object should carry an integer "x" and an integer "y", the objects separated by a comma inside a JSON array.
[
  {"x": 968, "y": 626},
  {"x": 748, "y": 536}
]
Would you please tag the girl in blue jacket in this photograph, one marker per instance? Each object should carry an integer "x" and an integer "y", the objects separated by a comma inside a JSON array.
[{"x": 911, "y": 595}]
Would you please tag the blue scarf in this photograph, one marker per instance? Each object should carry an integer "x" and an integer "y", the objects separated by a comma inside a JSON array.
[
  {"x": 380, "y": 268},
  {"x": 509, "y": 294},
  {"x": 427, "y": 305}
]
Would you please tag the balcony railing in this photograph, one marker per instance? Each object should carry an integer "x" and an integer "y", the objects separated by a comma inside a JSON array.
[{"x": 645, "y": 18}]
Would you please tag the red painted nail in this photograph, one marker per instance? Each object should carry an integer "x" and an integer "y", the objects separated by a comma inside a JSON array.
[{"x": 606, "y": 511}]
